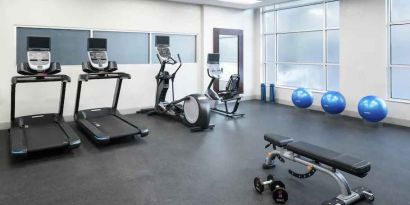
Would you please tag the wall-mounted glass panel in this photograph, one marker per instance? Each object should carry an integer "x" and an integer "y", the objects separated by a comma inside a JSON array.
[
  {"x": 333, "y": 46},
  {"x": 304, "y": 47},
  {"x": 307, "y": 76},
  {"x": 269, "y": 19},
  {"x": 400, "y": 10},
  {"x": 333, "y": 78},
  {"x": 301, "y": 19},
  {"x": 68, "y": 47},
  {"x": 400, "y": 83},
  {"x": 400, "y": 44},
  {"x": 126, "y": 47},
  {"x": 270, "y": 48},
  {"x": 184, "y": 45},
  {"x": 332, "y": 14}
]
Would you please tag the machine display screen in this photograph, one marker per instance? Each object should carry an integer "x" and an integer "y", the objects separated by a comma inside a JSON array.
[
  {"x": 213, "y": 58},
  {"x": 38, "y": 43},
  {"x": 162, "y": 41},
  {"x": 97, "y": 44}
]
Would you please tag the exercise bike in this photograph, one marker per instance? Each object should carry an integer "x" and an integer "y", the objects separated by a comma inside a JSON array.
[
  {"x": 193, "y": 110},
  {"x": 231, "y": 92}
]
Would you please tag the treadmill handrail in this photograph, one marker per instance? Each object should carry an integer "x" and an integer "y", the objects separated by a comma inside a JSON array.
[
  {"x": 39, "y": 78},
  {"x": 104, "y": 75}
]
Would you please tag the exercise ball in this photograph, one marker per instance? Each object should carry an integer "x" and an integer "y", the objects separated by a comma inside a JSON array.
[
  {"x": 333, "y": 102},
  {"x": 302, "y": 98},
  {"x": 372, "y": 109}
]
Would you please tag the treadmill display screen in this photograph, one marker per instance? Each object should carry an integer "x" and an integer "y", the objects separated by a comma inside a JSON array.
[
  {"x": 97, "y": 44},
  {"x": 213, "y": 58},
  {"x": 38, "y": 43},
  {"x": 162, "y": 41}
]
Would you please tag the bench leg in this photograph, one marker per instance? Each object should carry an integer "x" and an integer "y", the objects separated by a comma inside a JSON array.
[
  {"x": 347, "y": 196},
  {"x": 270, "y": 160}
]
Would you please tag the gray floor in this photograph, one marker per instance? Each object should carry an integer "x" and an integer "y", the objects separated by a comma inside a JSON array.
[{"x": 174, "y": 166}]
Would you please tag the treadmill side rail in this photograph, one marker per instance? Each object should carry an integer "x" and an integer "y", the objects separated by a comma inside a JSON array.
[
  {"x": 92, "y": 130},
  {"x": 18, "y": 145},
  {"x": 73, "y": 139},
  {"x": 143, "y": 132}
]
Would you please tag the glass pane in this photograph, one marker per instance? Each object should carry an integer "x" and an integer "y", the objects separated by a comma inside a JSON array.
[
  {"x": 296, "y": 3},
  {"x": 126, "y": 47},
  {"x": 301, "y": 18},
  {"x": 269, "y": 22},
  {"x": 269, "y": 8},
  {"x": 400, "y": 44},
  {"x": 185, "y": 45},
  {"x": 400, "y": 10},
  {"x": 270, "y": 73},
  {"x": 333, "y": 46},
  {"x": 333, "y": 78},
  {"x": 270, "y": 48},
  {"x": 301, "y": 47},
  {"x": 307, "y": 76},
  {"x": 229, "y": 50},
  {"x": 68, "y": 47},
  {"x": 332, "y": 14},
  {"x": 400, "y": 83}
]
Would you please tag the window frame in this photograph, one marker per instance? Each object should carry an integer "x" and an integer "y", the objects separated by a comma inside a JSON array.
[
  {"x": 275, "y": 33},
  {"x": 389, "y": 25}
]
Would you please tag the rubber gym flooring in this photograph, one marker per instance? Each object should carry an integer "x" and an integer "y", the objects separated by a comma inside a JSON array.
[{"x": 174, "y": 166}]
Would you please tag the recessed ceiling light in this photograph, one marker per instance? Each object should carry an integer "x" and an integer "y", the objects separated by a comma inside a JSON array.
[{"x": 242, "y": 1}]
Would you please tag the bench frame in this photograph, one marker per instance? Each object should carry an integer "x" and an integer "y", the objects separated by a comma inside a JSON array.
[{"x": 347, "y": 195}]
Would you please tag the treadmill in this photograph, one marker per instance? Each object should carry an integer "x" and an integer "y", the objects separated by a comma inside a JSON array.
[
  {"x": 40, "y": 132},
  {"x": 103, "y": 125}
]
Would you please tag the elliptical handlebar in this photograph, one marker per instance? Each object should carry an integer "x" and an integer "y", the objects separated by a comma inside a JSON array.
[{"x": 180, "y": 65}]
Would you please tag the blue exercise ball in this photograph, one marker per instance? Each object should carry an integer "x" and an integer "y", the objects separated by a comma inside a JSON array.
[
  {"x": 333, "y": 102},
  {"x": 302, "y": 98},
  {"x": 372, "y": 109}
]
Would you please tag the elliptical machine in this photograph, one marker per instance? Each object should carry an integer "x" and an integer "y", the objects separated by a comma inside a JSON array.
[
  {"x": 193, "y": 110},
  {"x": 231, "y": 92}
]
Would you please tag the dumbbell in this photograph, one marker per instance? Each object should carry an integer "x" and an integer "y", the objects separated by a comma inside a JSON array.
[
  {"x": 279, "y": 194},
  {"x": 260, "y": 185}
]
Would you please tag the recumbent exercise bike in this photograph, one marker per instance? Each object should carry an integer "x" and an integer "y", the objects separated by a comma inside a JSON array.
[
  {"x": 231, "y": 93},
  {"x": 193, "y": 110}
]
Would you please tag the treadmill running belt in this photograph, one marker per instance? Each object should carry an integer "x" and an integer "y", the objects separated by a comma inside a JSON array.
[
  {"x": 40, "y": 137},
  {"x": 113, "y": 126}
]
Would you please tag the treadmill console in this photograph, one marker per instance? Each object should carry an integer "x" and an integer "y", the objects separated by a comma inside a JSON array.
[
  {"x": 162, "y": 45},
  {"x": 38, "y": 53},
  {"x": 97, "y": 53}
]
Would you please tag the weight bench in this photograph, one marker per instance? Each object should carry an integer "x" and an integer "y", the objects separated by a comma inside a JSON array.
[{"x": 320, "y": 159}]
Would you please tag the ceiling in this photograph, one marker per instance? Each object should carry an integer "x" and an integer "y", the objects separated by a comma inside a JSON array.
[{"x": 230, "y": 4}]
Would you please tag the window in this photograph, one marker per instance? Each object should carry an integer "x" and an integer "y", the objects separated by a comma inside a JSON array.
[
  {"x": 399, "y": 64},
  {"x": 126, "y": 47},
  {"x": 69, "y": 46},
  {"x": 184, "y": 45},
  {"x": 302, "y": 44}
]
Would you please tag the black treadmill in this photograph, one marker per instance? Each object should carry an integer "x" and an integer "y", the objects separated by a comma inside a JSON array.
[
  {"x": 40, "y": 132},
  {"x": 103, "y": 124}
]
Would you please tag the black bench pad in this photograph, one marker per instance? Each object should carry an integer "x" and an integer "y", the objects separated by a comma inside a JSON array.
[
  {"x": 331, "y": 158},
  {"x": 277, "y": 140}
]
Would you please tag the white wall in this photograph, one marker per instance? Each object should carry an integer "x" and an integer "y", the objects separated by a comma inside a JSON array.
[
  {"x": 133, "y": 15},
  {"x": 363, "y": 59}
]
